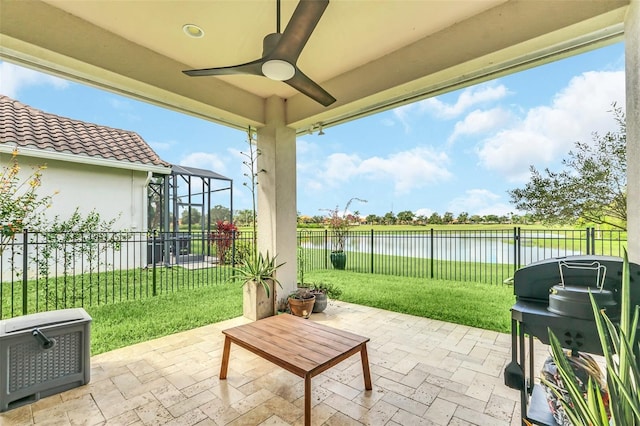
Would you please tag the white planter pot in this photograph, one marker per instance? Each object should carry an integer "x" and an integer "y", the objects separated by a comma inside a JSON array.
[{"x": 255, "y": 303}]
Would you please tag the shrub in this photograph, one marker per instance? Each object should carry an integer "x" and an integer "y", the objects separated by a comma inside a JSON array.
[{"x": 223, "y": 238}]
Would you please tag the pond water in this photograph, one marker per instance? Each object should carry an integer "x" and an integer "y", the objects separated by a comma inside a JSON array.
[{"x": 461, "y": 247}]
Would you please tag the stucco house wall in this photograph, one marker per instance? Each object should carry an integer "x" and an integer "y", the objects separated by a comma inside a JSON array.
[
  {"x": 91, "y": 167},
  {"x": 112, "y": 192},
  {"x": 88, "y": 167}
]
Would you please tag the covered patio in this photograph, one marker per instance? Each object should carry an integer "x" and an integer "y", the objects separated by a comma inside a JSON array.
[
  {"x": 370, "y": 56},
  {"x": 424, "y": 372}
]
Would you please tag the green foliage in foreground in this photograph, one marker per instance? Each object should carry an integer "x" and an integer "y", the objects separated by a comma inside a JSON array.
[
  {"x": 472, "y": 304},
  {"x": 623, "y": 372},
  {"x": 126, "y": 323}
]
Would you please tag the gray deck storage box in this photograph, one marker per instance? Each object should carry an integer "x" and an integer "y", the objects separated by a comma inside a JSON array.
[{"x": 43, "y": 354}]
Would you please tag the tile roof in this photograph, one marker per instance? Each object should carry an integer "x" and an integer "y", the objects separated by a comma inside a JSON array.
[{"x": 24, "y": 126}]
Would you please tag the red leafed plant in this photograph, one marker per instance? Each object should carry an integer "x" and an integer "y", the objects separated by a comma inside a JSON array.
[{"x": 223, "y": 237}]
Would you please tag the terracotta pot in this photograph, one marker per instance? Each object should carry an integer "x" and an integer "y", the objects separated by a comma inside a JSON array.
[{"x": 301, "y": 307}]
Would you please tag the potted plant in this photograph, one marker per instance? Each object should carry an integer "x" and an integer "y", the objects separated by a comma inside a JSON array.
[
  {"x": 301, "y": 302},
  {"x": 324, "y": 291},
  {"x": 257, "y": 271},
  {"x": 321, "y": 291},
  {"x": 589, "y": 402},
  {"x": 257, "y": 274},
  {"x": 339, "y": 222}
]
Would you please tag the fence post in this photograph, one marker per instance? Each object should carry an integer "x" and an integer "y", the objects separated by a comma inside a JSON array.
[
  {"x": 432, "y": 254},
  {"x": 326, "y": 242},
  {"x": 153, "y": 261},
  {"x": 519, "y": 247},
  {"x": 25, "y": 246},
  {"x": 591, "y": 240},
  {"x": 372, "y": 250},
  {"x": 233, "y": 249},
  {"x": 516, "y": 248}
]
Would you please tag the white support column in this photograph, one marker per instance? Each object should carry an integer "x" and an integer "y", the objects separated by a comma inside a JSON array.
[
  {"x": 277, "y": 214},
  {"x": 632, "y": 71}
]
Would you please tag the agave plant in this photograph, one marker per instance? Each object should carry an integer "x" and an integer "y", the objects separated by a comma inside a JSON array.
[
  {"x": 259, "y": 269},
  {"x": 623, "y": 375}
]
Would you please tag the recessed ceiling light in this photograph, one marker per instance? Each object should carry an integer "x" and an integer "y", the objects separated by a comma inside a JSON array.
[{"x": 193, "y": 30}]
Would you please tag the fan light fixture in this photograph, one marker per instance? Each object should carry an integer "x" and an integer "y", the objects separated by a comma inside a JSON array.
[
  {"x": 277, "y": 69},
  {"x": 280, "y": 53},
  {"x": 193, "y": 30}
]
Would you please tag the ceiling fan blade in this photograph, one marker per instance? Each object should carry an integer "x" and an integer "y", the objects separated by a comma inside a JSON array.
[
  {"x": 252, "y": 68},
  {"x": 299, "y": 29},
  {"x": 305, "y": 85}
]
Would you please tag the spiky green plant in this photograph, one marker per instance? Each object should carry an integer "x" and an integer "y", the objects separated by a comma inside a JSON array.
[
  {"x": 623, "y": 375},
  {"x": 259, "y": 269}
]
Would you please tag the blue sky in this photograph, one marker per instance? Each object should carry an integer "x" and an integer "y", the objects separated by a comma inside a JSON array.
[{"x": 456, "y": 152}]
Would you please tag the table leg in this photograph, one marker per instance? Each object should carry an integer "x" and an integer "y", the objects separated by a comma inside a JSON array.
[
  {"x": 225, "y": 358},
  {"x": 365, "y": 367},
  {"x": 307, "y": 400}
]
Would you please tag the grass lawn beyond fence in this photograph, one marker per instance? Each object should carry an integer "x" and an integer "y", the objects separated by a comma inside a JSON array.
[{"x": 474, "y": 304}]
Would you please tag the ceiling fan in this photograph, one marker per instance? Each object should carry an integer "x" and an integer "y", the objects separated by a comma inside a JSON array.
[{"x": 280, "y": 52}]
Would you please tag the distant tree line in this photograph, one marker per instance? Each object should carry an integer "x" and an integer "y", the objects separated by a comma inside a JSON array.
[{"x": 409, "y": 218}]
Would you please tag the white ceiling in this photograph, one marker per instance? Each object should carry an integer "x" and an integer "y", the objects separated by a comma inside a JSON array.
[{"x": 370, "y": 55}]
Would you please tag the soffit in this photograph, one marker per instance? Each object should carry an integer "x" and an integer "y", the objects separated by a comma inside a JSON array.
[{"x": 369, "y": 55}]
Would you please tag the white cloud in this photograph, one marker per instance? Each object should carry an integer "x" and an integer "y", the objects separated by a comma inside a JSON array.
[
  {"x": 200, "y": 160},
  {"x": 407, "y": 170},
  {"x": 403, "y": 115},
  {"x": 498, "y": 209},
  {"x": 479, "y": 121},
  {"x": 341, "y": 167},
  {"x": 303, "y": 147},
  {"x": 480, "y": 202},
  {"x": 547, "y": 133},
  {"x": 423, "y": 212},
  {"x": 204, "y": 160},
  {"x": 13, "y": 78},
  {"x": 468, "y": 98}
]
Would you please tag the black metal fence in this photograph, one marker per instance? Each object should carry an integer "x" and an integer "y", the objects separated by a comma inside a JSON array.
[
  {"x": 488, "y": 256},
  {"x": 46, "y": 271}
]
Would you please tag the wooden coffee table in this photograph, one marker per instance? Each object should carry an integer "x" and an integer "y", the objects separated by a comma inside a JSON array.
[{"x": 298, "y": 345}]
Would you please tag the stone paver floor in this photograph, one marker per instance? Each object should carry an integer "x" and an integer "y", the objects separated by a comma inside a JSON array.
[{"x": 424, "y": 372}]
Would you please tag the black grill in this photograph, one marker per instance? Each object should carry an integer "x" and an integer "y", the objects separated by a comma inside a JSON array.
[{"x": 565, "y": 282}]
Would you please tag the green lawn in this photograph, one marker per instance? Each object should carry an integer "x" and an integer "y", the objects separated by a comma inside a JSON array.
[
  {"x": 125, "y": 323},
  {"x": 474, "y": 304}
]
